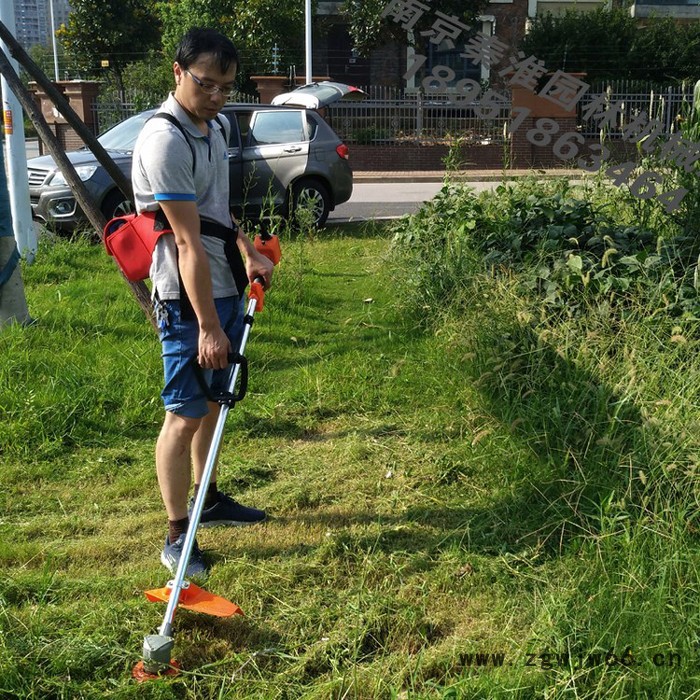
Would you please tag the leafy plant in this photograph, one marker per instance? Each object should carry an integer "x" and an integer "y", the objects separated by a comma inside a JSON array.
[
  {"x": 569, "y": 246},
  {"x": 609, "y": 43}
]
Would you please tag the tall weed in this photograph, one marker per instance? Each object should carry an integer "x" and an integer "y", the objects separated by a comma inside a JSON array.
[{"x": 579, "y": 329}]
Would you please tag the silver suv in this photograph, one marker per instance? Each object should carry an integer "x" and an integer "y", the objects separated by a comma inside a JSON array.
[{"x": 280, "y": 158}]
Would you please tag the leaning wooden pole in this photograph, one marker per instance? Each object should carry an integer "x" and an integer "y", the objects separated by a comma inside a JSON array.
[
  {"x": 68, "y": 113},
  {"x": 94, "y": 215}
]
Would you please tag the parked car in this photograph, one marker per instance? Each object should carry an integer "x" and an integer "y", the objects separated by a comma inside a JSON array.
[
  {"x": 320, "y": 95},
  {"x": 280, "y": 158}
]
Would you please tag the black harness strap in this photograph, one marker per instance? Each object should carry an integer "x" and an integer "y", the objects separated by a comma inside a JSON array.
[{"x": 209, "y": 228}]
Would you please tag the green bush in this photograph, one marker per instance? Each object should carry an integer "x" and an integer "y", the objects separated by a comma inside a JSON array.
[{"x": 569, "y": 245}]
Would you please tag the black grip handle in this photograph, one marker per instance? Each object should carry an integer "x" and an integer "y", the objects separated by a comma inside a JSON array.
[{"x": 226, "y": 397}]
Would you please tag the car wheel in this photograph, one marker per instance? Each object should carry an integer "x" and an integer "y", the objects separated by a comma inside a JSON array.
[
  {"x": 312, "y": 197},
  {"x": 116, "y": 204}
]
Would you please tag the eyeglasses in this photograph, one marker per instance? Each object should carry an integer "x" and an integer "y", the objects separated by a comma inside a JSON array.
[{"x": 211, "y": 89}]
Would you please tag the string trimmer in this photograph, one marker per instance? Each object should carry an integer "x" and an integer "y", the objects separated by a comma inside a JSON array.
[{"x": 156, "y": 661}]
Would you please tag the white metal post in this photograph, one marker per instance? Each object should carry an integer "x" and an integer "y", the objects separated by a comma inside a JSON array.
[
  {"x": 53, "y": 42},
  {"x": 307, "y": 42},
  {"x": 16, "y": 150}
]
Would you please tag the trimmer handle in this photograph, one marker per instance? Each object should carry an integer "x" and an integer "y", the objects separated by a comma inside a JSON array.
[
  {"x": 228, "y": 398},
  {"x": 257, "y": 292}
]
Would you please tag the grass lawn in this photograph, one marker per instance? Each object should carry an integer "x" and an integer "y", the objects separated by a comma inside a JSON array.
[{"x": 429, "y": 536}]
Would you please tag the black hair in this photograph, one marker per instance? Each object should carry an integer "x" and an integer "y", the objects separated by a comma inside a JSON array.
[{"x": 198, "y": 41}]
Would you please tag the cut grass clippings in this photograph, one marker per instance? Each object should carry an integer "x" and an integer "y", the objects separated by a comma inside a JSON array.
[{"x": 414, "y": 547}]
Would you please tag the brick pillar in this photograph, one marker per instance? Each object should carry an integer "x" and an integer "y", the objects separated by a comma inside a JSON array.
[
  {"x": 270, "y": 86},
  {"x": 81, "y": 95},
  {"x": 51, "y": 115},
  {"x": 526, "y": 153}
]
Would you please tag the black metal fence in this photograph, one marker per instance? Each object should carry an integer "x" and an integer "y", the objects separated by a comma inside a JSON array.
[
  {"x": 664, "y": 103},
  {"x": 394, "y": 115},
  {"x": 110, "y": 110}
]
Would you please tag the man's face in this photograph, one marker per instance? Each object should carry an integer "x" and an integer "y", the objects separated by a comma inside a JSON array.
[{"x": 194, "y": 84}]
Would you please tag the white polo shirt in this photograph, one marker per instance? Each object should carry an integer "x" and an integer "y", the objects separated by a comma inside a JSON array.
[{"x": 162, "y": 171}]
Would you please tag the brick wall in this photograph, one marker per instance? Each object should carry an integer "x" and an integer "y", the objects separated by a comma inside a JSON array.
[
  {"x": 524, "y": 155},
  {"x": 421, "y": 158}
]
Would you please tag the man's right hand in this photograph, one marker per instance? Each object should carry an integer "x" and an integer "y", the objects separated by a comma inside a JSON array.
[{"x": 214, "y": 348}]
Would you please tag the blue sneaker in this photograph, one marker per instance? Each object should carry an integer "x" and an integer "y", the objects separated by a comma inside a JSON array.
[
  {"x": 170, "y": 558},
  {"x": 228, "y": 512}
]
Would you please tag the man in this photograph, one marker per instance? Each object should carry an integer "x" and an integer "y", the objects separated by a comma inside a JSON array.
[{"x": 180, "y": 167}]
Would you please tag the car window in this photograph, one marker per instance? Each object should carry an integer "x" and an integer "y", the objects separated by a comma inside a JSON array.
[
  {"x": 233, "y": 141},
  {"x": 243, "y": 119},
  {"x": 278, "y": 127},
  {"x": 311, "y": 128},
  {"x": 122, "y": 137}
]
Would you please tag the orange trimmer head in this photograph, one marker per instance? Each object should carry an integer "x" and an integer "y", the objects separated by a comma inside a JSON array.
[{"x": 140, "y": 674}]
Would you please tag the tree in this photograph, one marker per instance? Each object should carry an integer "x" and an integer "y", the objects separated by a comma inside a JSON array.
[
  {"x": 373, "y": 22},
  {"x": 666, "y": 50},
  {"x": 611, "y": 44},
  {"x": 254, "y": 26},
  {"x": 114, "y": 31},
  {"x": 42, "y": 55}
]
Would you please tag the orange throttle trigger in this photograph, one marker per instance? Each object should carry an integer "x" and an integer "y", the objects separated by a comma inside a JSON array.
[{"x": 268, "y": 245}]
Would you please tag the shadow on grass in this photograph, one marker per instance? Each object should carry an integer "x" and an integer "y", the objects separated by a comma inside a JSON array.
[{"x": 592, "y": 459}]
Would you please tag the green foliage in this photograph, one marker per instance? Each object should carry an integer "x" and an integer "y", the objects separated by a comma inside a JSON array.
[
  {"x": 569, "y": 246},
  {"x": 579, "y": 376},
  {"x": 148, "y": 81},
  {"x": 608, "y": 43},
  {"x": 369, "y": 29},
  {"x": 681, "y": 174},
  {"x": 118, "y": 31},
  {"x": 43, "y": 56},
  {"x": 254, "y": 27}
]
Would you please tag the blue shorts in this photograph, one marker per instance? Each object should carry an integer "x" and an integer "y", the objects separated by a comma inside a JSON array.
[{"x": 182, "y": 393}]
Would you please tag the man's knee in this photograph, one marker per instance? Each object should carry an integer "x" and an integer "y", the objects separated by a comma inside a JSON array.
[{"x": 180, "y": 427}]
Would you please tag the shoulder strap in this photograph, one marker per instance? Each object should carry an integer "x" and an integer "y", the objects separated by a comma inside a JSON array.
[
  {"x": 175, "y": 122},
  {"x": 224, "y": 132}
]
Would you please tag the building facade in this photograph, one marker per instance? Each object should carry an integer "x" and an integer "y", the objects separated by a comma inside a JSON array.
[{"x": 33, "y": 20}]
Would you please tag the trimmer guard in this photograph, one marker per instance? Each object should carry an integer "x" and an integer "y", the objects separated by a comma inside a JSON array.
[{"x": 195, "y": 598}]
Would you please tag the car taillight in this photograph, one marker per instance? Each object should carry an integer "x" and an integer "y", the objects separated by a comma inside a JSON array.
[{"x": 343, "y": 151}]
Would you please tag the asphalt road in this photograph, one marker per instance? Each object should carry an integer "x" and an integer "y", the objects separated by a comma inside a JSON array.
[{"x": 389, "y": 200}]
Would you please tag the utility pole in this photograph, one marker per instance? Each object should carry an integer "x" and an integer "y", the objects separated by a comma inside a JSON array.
[
  {"x": 13, "y": 304},
  {"x": 307, "y": 42},
  {"x": 53, "y": 42},
  {"x": 17, "y": 181}
]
